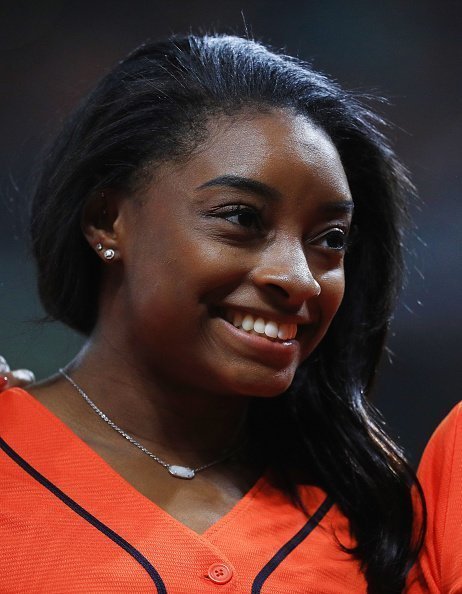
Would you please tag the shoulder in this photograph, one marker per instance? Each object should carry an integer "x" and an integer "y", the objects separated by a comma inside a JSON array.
[
  {"x": 22, "y": 416},
  {"x": 440, "y": 473},
  {"x": 443, "y": 454},
  {"x": 15, "y": 399}
]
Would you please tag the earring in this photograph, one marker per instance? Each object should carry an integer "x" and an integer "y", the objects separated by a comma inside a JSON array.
[{"x": 108, "y": 254}]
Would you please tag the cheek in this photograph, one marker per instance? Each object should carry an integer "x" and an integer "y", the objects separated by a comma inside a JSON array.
[
  {"x": 332, "y": 291},
  {"x": 171, "y": 287}
]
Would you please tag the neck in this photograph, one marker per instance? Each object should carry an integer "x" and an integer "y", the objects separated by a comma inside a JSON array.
[{"x": 171, "y": 420}]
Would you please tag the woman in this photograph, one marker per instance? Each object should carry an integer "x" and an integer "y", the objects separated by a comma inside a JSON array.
[
  {"x": 195, "y": 220},
  {"x": 439, "y": 566}
]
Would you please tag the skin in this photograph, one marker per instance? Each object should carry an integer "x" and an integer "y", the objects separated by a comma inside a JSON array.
[{"x": 197, "y": 244}]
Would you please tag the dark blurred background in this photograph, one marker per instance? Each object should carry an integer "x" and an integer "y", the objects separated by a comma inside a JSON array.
[{"x": 52, "y": 52}]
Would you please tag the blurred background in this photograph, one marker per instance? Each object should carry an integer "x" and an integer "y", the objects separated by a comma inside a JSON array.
[{"x": 53, "y": 51}]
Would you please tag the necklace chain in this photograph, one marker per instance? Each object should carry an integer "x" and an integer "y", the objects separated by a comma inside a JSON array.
[{"x": 178, "y": 471}]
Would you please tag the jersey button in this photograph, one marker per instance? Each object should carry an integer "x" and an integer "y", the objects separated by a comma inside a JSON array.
[{"x": 220, "y": 573}]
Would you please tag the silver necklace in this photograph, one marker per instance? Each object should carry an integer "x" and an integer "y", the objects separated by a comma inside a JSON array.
[{"x": 176, "y": 470}]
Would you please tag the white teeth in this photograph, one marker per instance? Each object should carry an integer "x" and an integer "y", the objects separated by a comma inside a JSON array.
[
  {"x": 247, "y": 323},
  {"x": 260, "y": 326},
  {"x": 271, "y": 329}
]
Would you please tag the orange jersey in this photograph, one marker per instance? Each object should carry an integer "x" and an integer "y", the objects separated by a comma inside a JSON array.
[
  {"x": 439, "y": 568},
  {"x": 70, "y": 524}
]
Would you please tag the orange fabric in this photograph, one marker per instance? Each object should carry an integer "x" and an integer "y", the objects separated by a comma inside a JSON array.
[
  {"x": 439, "y": 569},
  {"x": 47, "y": 547}
]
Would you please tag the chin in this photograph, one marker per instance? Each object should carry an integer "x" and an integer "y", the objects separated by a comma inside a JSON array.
[{"x": 270, "y": 386}]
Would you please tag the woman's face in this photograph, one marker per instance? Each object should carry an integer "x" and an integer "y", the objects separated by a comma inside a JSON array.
[{"x": 233, "y": 260}]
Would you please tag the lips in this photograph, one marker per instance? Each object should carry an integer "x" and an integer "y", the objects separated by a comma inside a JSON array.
[
  {"x": 245, "y": 333},
  {"x": 266, "y": 328}
]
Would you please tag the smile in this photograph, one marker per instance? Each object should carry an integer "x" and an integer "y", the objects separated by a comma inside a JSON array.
[{"x": 258, "y": 325}]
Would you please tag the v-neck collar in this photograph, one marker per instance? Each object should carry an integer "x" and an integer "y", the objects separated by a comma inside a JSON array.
[
  {"x": 52, "y": 437},
  {"x": 261, "y": 533}
]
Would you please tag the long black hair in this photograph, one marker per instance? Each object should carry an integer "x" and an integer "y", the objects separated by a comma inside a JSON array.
[{"x": 153, "y": 107}]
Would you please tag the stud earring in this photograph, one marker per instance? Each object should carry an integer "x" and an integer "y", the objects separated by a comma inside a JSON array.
[{"x": 108, "y": 253}]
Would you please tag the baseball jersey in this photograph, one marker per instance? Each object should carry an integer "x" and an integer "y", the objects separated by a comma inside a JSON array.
[
  {"x": 439, "y": 568},
  {"x": 70, "y": 523}
]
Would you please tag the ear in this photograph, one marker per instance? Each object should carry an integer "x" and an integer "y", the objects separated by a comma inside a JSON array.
[{"x": 101, "y": 225}]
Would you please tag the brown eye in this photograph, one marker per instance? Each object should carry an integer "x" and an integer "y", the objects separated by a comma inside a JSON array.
[
  {"x": 243, "y": 216},
  {"x": 335, "y": 239},
  {"x": 246, "y": 219}
]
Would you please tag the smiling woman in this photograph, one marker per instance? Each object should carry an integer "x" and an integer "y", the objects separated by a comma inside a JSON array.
[
  {"x": 253, "y": 246},
  {"x": 224, "y": 224}
]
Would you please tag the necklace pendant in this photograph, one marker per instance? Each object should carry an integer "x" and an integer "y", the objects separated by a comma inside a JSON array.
[{"x": 183, "y": 472}]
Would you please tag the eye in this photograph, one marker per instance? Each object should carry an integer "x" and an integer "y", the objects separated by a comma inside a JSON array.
[
  {"x": 334, "y": 239},
  {"x": 244, "y": 216}
]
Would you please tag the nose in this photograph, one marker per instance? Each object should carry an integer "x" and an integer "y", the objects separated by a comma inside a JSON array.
[{"x": 283, "y": 271}]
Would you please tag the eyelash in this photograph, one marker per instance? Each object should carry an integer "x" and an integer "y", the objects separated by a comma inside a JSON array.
[
  {"x": 241, "y": 210},
  {"x": 256, "y": 225},
  {"x": 336, "y": 232}
]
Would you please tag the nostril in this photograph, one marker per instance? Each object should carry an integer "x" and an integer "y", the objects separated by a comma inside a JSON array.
[
  {"x": 294, "y": 284},
  {"x": 278, "y": 289}
]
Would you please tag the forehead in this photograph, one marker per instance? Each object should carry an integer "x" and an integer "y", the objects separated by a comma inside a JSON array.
[
  {"x": 278, "y": 144},
  {"x": 279, "y": 148},
  {"x": 269, "y": 130}
]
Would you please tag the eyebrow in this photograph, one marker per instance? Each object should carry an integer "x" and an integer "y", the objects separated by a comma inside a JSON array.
[
  {"x": 256, "y": 187},
  {"x": 243, "y": 183},
  {"x": 339, "y": 206}
]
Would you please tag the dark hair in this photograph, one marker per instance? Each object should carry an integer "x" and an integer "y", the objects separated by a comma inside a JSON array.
[{"x": 152, "y": 107}]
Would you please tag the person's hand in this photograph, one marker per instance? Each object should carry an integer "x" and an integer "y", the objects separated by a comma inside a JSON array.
[{"x": 17, "y": 377}]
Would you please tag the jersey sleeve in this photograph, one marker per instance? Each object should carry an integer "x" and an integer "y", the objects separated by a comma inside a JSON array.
[{"x": 439, "y": 567}]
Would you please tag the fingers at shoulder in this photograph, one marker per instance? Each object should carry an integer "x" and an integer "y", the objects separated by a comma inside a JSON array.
[{"x": 14, "y": 378}]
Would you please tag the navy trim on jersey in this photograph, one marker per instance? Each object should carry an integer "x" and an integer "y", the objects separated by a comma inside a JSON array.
[
  {"x": 290, "y": 545},
  {"x": 118, "y": 540}
]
